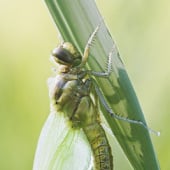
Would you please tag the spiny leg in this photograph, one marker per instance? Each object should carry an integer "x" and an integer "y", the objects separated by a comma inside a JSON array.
[
  {"x": 86, "y": 54},
  {"x": 101, "y": 74},
  {"x": 108, "y": 68},
  {"x": 87, "y": 47},
  {"x": 112, "y": 114}
]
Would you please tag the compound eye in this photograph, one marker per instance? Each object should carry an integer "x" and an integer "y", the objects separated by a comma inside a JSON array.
[{"x": 62, "y": 56}]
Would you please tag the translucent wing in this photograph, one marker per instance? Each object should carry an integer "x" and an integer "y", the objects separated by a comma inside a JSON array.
[{"x": 60, "y": 147}]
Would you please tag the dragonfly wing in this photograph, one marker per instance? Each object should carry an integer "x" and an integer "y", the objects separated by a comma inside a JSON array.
[{"x": 61, "y": 147}]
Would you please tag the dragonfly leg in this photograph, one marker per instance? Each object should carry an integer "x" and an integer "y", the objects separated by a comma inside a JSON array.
[
  {"x": 108, "y": 68},
  {"x": 112, "y": 114},
  {"x": 86, "y": 54},
  {"x": 87, "y": 47},
  {"x": 100, "y": 74}
]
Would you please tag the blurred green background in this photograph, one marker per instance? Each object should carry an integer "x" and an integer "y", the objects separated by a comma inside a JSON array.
[{"x": 141, "y": 29}]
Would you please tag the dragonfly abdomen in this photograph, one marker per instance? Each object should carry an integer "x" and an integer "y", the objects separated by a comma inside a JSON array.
[{"x": 96, "y": 136}]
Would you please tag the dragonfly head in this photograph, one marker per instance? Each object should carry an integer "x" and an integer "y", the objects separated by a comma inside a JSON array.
[{"x": 66, "y": 54}]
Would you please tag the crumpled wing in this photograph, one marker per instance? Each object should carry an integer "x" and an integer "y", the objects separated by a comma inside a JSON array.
[{"x": 60, "y": 147}]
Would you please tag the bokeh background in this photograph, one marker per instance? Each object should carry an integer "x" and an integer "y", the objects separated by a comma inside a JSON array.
[{"x": 141, "y": 29}]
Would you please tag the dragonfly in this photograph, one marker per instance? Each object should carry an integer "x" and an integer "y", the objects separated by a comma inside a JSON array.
[{"x": 75, "y": 112}]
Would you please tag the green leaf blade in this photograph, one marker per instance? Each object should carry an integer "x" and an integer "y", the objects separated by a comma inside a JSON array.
[{"x": 76, "y": 21}]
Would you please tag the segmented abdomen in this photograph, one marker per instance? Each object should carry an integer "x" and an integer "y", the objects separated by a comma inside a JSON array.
[{"x": 96, "y": 136}]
